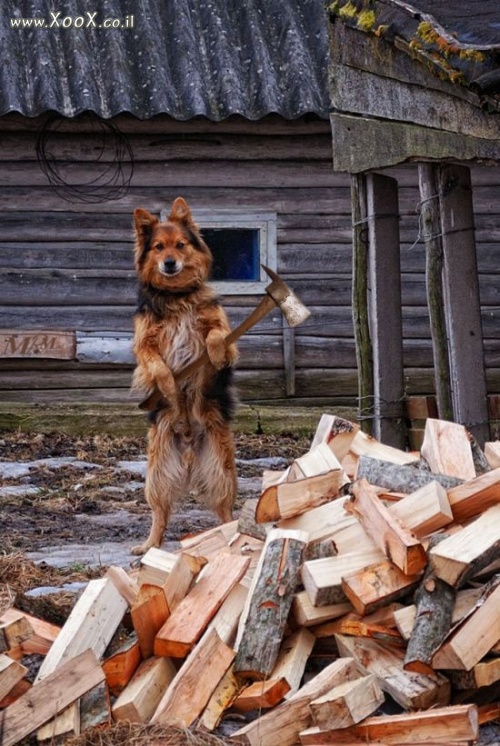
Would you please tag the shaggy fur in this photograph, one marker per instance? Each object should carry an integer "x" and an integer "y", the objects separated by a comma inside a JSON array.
[{"x": 190, "y": 440}]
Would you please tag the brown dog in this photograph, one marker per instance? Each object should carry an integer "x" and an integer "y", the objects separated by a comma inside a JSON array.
[{"x": 190, "y": 441}]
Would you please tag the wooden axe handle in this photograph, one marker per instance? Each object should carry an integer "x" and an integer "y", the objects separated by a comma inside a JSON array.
[{"x": 265, "y": 306}]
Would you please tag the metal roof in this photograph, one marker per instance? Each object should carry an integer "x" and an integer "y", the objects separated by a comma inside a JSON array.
[{"x": 185, "y": 58}]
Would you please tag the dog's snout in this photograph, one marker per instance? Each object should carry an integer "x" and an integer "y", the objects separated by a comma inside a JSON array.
[{"x": 170, "y": 265}]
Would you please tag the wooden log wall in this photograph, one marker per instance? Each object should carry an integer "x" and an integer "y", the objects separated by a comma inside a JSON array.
[{"x": 68, "y": 266}]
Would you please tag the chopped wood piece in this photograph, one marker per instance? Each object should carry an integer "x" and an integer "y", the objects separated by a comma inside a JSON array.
[
  {"x": 246, "y": 546},
  {"x": 263, "y": 621},
  {"x": 399, "y": 544},
  {"x": 481, "y": 464},
  {"x": 307, "y": 615},
  {"x": 319, "y": 549},
  {"x": 17, "y": 691},
  {"x": 322, "y": 578},
  {"x": 447, "y": 449},
  {"x": 484, "y": 673},
  {"x": 474, "y": 636},
  {"x": 11, "y": 673},
  {"x": 210, "y": 543},
  {"x": 156, "y": 566},
  {"x": 464, "y": 602},
  {"x": 446, "y": 725},
  {"x": 281, "y": 726},
  {"x": 141, "y": 697},
  {"x": 261, "y": 695},
  {"x": 435, "y": 601},
  {"x": 121, "y": 666},
  {"x": 149, "y": 613},
  {"x": 377, "y": 585},
  {"x": 322, "y": 522},
  {"x": 424, "y": 511},
  {"x": 15, "y": 627},
  {"x": 347, "y": 703},
  {"x": 292, "y": 498},
  {"x": 59, "y": 689},
  {"x": 222, "y": 698},
  {"x": 188, "y": 621},
  {"x": 192, "y": 687},
  {"x": 294, "y": 653},
  {"x": 476, "y": 496},
  {"x": 247, "y": 523},
  {"x": 464, "y": 554},
  {"x": 411, "y": 690},
  {"x": 95, "y": 708},
  {"x": 319, "y": 460},
  {"x": 487, "y": 713},
  {"x": 226, "y": 620},
  {"x": 492, "y": 453},
  {"x": 336, "y": 432},
  {"x": 181, "y": 578},
  {"x": 366, "y": 445},
  {"x": 351, "y": 624},
  {"x": 397, "y": 478},
  {"x": 91, "y": 624},
  {"x": 18, "y": 624},
  {"x": 126, "y": 585}
]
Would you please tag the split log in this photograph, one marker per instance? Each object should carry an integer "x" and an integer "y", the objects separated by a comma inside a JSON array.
[
  {"x": 352, "y": 624},
  {"x": 192, "y": 687},
  {"x": 11, "y": 673},
  {"x": 225, "y": 622},
  {"x": 475, "y": 497},
  {"x": 262, "y": 695},
  {"x": 412, "y": 691},
  {"x": 263, "y": 621},
  {"x": 464, "y": 602},
  {"x": 322, "y": 578},
  {"x": 446, "y": 448},
  {"x": 59, "y": 689},
  {"x": 281, "y": 726},
  {"x": 120, "y": 666},
  {"x": 211, "y": 542},
  {"x": 181, "y": 578},
  {"x": 399, "y": 544},
  {"x": 126, "y": 585},
  {"x": 337, "y": 432},
  {"x": 367, "y": 445},
  {"x": 190, "y": 618},
  {"x": 292, "y": 498},
  {"x": 474, "y": 636},
  {"x": 481, "y": 464},
  {"x": 224, "y": 695},
  {"x": 17, "y": 691},
  {"x": 15, "y": 628},
  {"x": 424, "y": 511},
  {"x": 484, "y": 673},
  {"x": 462, "y": 555},
  {"x": 446, "y": 725},
  {"x": 156, "y": 565},
  {"x": 243, "y": 545},
  {"x": 435, "y": 601},
  {"x": 347, "y": 704},
  {"x": 247, "y": 523},
  {"x": 307, "y": 615},
  {"x": 139, "y": 700},
  {"x": 377, "y": 585},
  {"x": 292, "y": 659},
  {"x": 395, "y": 478},
  {"x": 30, "y": 634},
  {"x": 319, "y": 460},
  {"x": 149, "y": 613},
  {"x": 492, "y": 453}
]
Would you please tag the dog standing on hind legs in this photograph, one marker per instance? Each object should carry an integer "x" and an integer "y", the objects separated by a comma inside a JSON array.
[{"x": 190, "y": 442}]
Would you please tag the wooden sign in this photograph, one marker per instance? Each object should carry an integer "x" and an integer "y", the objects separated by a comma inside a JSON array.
[{"x": 38, "y": 344}]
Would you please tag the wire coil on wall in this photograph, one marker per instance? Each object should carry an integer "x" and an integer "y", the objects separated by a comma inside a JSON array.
[{"x": 111, "y": 167}]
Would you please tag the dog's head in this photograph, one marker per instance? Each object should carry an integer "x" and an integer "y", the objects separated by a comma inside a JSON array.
[{"x": 172, "y": 255}]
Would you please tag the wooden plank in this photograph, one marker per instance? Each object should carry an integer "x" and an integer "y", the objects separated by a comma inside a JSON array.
[
  {"x": 192, "y": 687},
  {"x": 58, "y": 690},
  {"x": 281, "y": 726},
  {"x": 399, "y": 544},
  {"x": 139, "y": 700},
  {"x": 384, "y": 304},
  {"x": 347, "y": 703},
  {"x": 465, "y": 553},
  {"x": 188, "y": 621},
  {"x": 411, "y": 690},
  {"x": 463, "y": 319},
  {"x": 447, "y": 449},
  {"x": 37, "y": 344}
]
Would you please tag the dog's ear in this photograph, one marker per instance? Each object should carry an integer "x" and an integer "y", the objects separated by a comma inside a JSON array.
[
  {"x": 180, "y": 212},
  {"x": 144, "y": 223}
]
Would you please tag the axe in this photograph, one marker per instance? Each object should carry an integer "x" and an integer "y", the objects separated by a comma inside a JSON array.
[{"x": 277, "y": 294}]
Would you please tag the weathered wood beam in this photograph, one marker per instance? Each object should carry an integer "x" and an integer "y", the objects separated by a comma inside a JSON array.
[{"x": 384, "y": 304}]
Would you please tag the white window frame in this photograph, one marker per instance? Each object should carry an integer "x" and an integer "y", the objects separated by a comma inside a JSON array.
[{"x": 264, "y": 222}]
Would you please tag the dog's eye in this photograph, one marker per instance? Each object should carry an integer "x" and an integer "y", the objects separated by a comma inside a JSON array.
[
  {"x": 157, "y": 247},
  {"x": 180, "y": 245}
]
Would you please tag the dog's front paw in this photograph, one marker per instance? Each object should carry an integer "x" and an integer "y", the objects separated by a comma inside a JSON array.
[
  {"x": 141, "y": 549},
  {"x": 216, "y": 348}
]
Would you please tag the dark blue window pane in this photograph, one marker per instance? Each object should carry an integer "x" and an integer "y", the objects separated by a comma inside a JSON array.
[{"x": 235, "y": 252}]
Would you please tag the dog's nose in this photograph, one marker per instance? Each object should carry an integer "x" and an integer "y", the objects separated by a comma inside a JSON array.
[{"x": 169, "y": 265}]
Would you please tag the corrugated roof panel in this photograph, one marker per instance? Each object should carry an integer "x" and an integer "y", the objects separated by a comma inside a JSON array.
[{"x": 184, "y": 58}]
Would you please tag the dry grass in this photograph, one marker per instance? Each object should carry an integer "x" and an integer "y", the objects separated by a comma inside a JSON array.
[{"x": 135, "y": 734}]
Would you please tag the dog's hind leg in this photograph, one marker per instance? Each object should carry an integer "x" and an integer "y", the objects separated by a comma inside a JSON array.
[
  {"x": 214, "y": 471},
  {"x": 165, "y": 477}
]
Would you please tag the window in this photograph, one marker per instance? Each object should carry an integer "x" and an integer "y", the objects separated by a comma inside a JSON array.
[{"x": 240, "y": 242}]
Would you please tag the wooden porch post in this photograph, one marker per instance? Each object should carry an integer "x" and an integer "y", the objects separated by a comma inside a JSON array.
[
  {"x": 384, "y": 294},
  {"x": 462, "y": 305}
]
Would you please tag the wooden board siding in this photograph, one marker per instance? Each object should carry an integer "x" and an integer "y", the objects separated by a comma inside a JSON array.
[{"x": 68, "y": 267}]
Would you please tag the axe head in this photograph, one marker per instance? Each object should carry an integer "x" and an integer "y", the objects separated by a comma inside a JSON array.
[{"x": 292, "y": 308}]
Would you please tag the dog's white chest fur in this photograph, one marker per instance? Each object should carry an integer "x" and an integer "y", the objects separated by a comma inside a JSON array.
[{"x": 184, "y": 344}]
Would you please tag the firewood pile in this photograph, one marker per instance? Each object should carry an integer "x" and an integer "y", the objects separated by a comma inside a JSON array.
[{"x": 390, "y": 555}]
